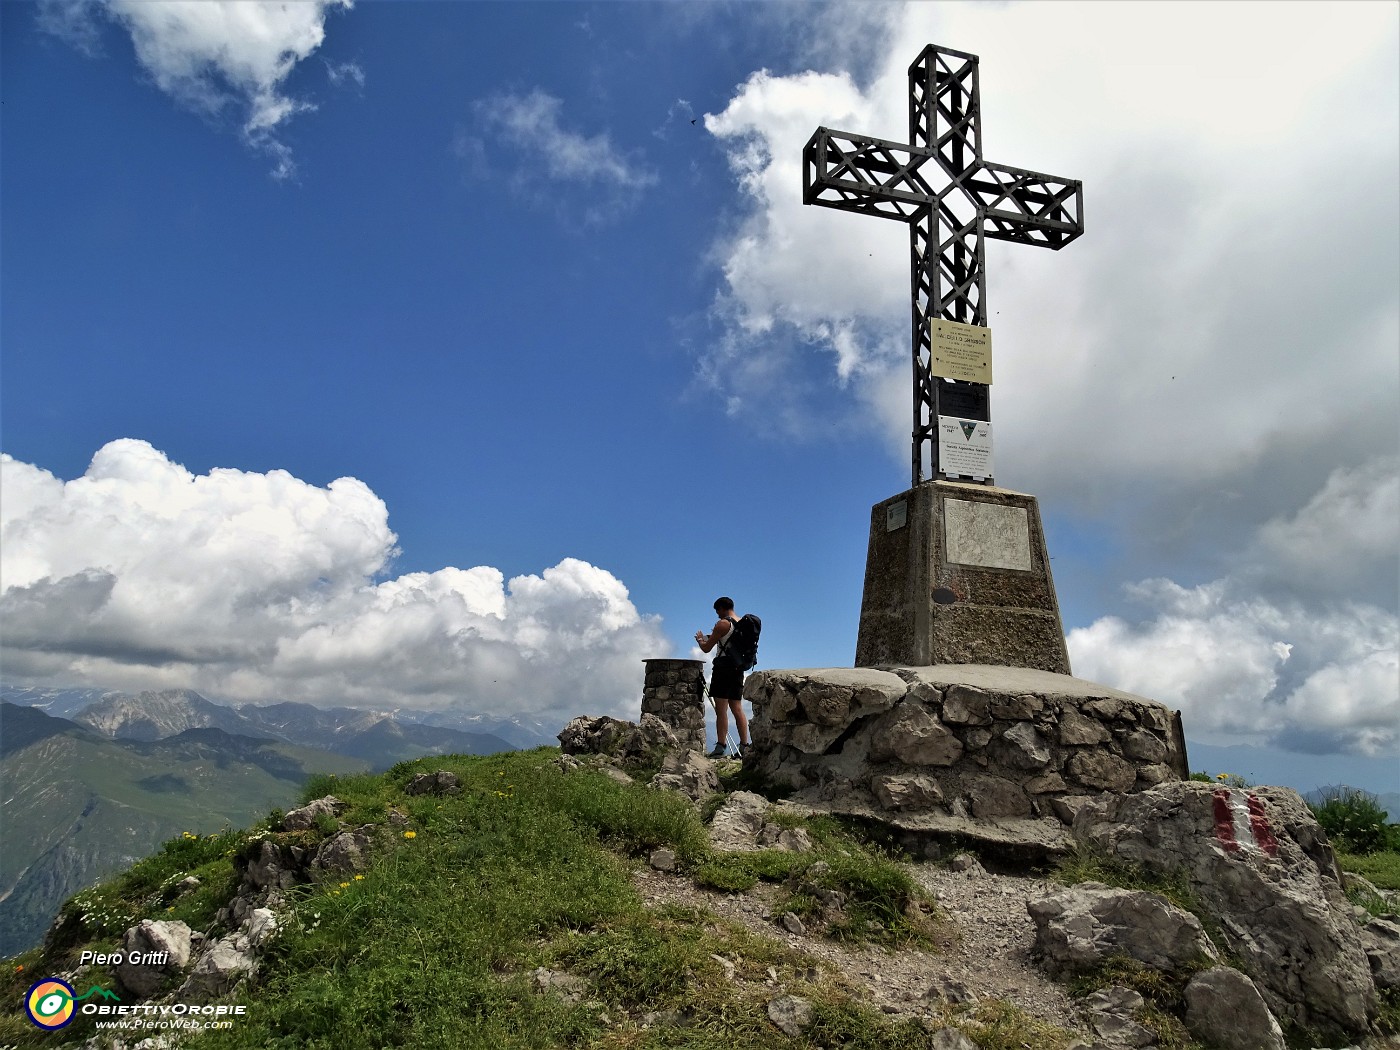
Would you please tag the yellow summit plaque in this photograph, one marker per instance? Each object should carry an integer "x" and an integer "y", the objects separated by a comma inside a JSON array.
[{"x": 961, "y": 351}]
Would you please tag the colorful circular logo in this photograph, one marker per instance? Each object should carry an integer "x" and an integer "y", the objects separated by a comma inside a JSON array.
[{"x": 49, "y": 1003}]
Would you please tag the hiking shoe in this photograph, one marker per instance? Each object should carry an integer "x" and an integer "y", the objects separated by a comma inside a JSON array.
[{"x": 720, "y": 751}]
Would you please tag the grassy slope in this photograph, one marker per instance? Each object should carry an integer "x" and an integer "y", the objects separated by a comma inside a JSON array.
[
  {"x": 528, "y": 867},
  {"x": 77, "y": 807}
]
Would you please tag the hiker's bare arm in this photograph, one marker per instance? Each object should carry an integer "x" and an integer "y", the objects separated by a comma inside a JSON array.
[{"x": 706, "y": 644}]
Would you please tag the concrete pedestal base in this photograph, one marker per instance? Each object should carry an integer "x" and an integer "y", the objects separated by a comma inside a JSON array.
[{"x": 959, "y": 574}]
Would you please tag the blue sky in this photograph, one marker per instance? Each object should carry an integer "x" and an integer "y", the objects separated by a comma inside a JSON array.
[{"x": 590, "y": 364}]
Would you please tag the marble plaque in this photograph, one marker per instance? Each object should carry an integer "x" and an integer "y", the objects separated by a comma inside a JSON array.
[
  {"x": 961, "y": 351},
  {"x": 988, "y": 535}
]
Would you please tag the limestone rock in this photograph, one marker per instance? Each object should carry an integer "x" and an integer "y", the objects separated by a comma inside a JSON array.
[
  {"x": 1101, "y": 771},
  {"x": 690, "y": 773},
  {"x": 615, "y": 737},
  {"x": 948, "y": 990},
  {"x": 993, "y": 796},
  {"x": 1261, "y": 866},
  {"x": 1224, "y": 1009},
  {"x": 950, "y": 1039},
  {"x": 908, "y": 791},
  {"x": 162, "y": 950},
  {"x": 1082, "y": 926},
  {"x": 1025, "y": 748},
  {"x": 1381, "y": 940},
  {"x": 914, "y": 735},
  {"x": 305, "y": 817},
  {"x": 562, "y": 985},
  {"x": 220, "y": 968},
  {"x": 1111, "y": 1015},
  {"x": 271, "y": 867},
  {"x": 966, "y": 705},
  {"x": 443, "y": 782},
  {"x": 663, "y": 859},
  {"x": 737, "y": 823},
  {"x": 1077, "y": 730},
  {"x": 344, "y": 853},
  {"x": 1144, "y": 746},
  {"x": 790, "y": 1014}
]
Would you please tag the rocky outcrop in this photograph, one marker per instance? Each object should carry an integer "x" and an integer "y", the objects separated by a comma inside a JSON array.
[
  {"x": 153, "y": 954},
  {"x": 616, "y": 738},
  {"x": 689, "y": 773},
  {"x": 742, "y": 824},
  {"x": 1083, "y": 926},
  {"x": 1224, "y": 1009},
  {"x": 230, "y": 959},
  {"x": 1261, "y": 868},
  {"x": 442, "y": 782},
  {"x": 306, "y": 817}
]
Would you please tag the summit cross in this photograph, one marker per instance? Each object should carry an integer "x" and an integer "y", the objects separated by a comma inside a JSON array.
[{"x": 947, "y": 226}]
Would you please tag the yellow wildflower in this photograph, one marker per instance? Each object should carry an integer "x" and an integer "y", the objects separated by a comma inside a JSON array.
[{"x": 410, "y": 834}]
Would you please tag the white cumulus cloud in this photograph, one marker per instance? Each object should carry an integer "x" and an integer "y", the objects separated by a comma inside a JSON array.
[
  {"x": 209, "y": 55},
  {"x": 259, "y": 586}
]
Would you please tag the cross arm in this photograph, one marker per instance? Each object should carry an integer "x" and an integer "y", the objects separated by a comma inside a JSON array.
[
  {"x": 864, "y": 174},
  {"x": 1026, "y": 206}
]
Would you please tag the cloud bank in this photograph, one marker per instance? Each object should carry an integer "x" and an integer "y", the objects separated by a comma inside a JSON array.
[
  {"x": 252, "y": 587},
  {"x": 213, "y": 55}
]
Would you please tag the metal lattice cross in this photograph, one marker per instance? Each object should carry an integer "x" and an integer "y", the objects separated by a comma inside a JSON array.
[{"x": 947, "y": 226}]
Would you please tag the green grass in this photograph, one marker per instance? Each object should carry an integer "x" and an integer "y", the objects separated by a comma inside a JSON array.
[
  {"x": 1382, "y": 870},
  {"x": 434, "y": 944}
]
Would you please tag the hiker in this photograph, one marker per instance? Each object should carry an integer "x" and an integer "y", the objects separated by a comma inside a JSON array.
[{"x": 735, "y": 656}]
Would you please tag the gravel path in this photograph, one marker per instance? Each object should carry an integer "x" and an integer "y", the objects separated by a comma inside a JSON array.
[{"x": 990, "y": 956}]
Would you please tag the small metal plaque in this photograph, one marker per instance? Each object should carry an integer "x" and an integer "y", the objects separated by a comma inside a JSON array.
[
  {"x": 990, "y": 535},
  {"x": 896, "y": 514},
  {"x": 964, "y": 400},
  {"x": 961, "y": 351},
  {"x": 965, "y": 447}
]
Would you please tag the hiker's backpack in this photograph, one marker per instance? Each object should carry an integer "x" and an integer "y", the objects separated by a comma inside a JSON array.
[{"x": 741, "y": 645}]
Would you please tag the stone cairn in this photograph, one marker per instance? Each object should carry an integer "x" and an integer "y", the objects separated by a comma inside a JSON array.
[{"x": 675, "y": 693}]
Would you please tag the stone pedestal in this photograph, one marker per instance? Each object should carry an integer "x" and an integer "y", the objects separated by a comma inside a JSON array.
[
  {"x": 674, "y": 692},
  {"x": 959, "y": 574}
]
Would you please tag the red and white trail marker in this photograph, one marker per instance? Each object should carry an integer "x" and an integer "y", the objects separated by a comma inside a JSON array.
[{"x": 1240, "y": 822}]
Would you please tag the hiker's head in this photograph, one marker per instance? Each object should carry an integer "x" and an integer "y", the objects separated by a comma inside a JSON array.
[{"x": 724, "y": 605}]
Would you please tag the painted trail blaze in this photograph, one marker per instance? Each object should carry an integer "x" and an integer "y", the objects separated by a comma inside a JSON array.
[{"x": 1240, "y": 822}]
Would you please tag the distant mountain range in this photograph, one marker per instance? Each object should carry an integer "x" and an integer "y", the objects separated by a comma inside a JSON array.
[
  {"x": 383, "y": 738},
  {"x": 95, "y": 779},
  {"x": 78, "y": 805}
]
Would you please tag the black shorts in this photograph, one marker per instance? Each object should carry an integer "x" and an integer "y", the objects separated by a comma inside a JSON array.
[{"x": 726, "y": 683}]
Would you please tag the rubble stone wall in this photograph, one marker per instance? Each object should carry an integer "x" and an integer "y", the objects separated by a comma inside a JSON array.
[
  {"x": 963, "y": 740},
  {"x": 674, "y": 691}
]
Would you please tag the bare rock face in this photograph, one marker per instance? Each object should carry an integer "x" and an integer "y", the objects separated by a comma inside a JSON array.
[
  {"x": 1261, "y": 866},
  {"x": 152, "y": 953},
  {"x": 1225, "y": 1009},
  {"x": 1083, "y": 926}
]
